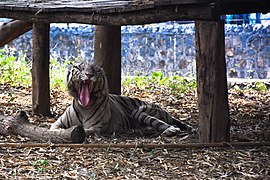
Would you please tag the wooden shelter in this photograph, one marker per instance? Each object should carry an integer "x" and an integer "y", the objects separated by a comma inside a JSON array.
[{"x": 110, "y": 15}]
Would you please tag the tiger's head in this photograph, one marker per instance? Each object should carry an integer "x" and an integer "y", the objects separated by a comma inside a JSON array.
[{"x": 86, "y": 82}]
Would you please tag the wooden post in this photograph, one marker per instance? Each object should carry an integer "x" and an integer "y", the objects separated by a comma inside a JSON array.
[
  {"x": 107, "y": 54},
  {"x": 40, "y": 69},
  {"x": 212, "y": 82}
]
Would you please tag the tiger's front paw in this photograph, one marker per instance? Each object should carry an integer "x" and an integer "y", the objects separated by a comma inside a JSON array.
[
  {"x": 92, "y": 131},
  {"x": 56, "y": 126},
  {"x": 171, "y": 131}
]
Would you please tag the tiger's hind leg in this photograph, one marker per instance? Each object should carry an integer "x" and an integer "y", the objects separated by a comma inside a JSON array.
[
  {"x": 160, "y": 120},
  {"x": 157, "y": 124},
  {"x": 183, "y": 126}
]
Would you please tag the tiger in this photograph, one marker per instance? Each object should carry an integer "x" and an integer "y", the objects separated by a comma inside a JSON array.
[{"x": 101, "y": 113}]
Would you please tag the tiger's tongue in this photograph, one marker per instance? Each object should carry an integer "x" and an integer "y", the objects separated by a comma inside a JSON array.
[{"x": 85, "y": 94}]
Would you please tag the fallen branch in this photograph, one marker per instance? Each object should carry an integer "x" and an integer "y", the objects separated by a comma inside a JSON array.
[
  {"x": 20, "y": 125},
  {"x": 148, "y": 146}
]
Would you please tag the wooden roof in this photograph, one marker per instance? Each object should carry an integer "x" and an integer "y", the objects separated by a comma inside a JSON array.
[
  {"x": 94, "y": 5},
  {"x": 99, "y": 6},
  {"x": 124, "y": 12}
]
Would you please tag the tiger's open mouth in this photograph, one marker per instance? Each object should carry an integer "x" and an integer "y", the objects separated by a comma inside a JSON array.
[{"x": 85, "y": 91}]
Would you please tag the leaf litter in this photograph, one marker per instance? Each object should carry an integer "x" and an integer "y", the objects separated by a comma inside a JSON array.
[{"x": 250, "y": 121}]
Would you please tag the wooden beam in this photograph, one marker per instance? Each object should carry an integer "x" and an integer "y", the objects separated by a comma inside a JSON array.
[
  {"x": 40, "y": 69},
  {"x": 107, "y": 54},
  {"x": 13, "y": 29},
  {"x": 211, "y": 81},
  {"x": 128, "y": 12},
  {"x": 115, "y": 18}
]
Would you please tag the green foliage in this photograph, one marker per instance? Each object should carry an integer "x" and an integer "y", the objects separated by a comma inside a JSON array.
[
  {"x": 11, "y": 98},
  {"x": 127, "y": 81},
  {"x": 260, "y": 86},
  {"x": 181, "y": 84},
  {"x": 175, "y": 83},
  {"x": 157, "y": 77},
  {"x": 40, "y": 165},
  {"x": 141, "y": 81},
  {"x": 17, "y": 71},
  {"x": 92, "y": 176},
  {"x": 57, "y": 74},
  {"x": 13, "y": 71}
]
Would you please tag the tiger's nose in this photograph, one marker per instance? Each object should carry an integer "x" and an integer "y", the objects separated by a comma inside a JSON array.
[{"x": 85, "y": 76}]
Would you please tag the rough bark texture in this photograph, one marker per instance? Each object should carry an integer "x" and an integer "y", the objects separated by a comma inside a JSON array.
[
  {"x": 108, "y": 54},
  {"x": 40, "y": 69},
  {"x": 19, "y": 125},
  {"x": 99, "y": 14},
  {"x": 113, "y": 12},
  {"x": 13, "y": 29},
  {"x": 212, "y": 83}
]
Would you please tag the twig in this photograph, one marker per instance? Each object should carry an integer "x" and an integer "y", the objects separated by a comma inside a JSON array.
[{"x": 135, "y": 145}]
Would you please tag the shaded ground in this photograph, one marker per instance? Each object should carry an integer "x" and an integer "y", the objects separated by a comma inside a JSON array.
[{"x": 250, "y": 120}]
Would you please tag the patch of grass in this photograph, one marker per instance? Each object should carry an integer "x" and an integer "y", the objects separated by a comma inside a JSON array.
[
  {"x": 40, "y": 165},
  {"x": 58, "y": 73},
  {"x": 177, "y": 84},
  {"x": 17, "y": 71},
  {"x": 14, "y": 71},
  {"x": 260, "y": 86}
]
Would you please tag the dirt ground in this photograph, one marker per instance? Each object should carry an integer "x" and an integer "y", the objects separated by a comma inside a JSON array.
[{"x": 250, "y": 122}]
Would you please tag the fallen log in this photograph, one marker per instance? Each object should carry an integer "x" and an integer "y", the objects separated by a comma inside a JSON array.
[
  {"x": 20, "y": 125},
  {"x": 13, "y": 29}
]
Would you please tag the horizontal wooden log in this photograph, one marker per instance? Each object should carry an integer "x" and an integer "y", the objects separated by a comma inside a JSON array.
[
  {"x": 19, "y": 125},
  {"x": 127, "y": 12},
  {"x": 13, "y": 29},
  {"x": 145, "y": 16},
  {"x": 187, "y": 146},
  {"x": 112, "y": 6},
  {"x": 97, "y": 6}
]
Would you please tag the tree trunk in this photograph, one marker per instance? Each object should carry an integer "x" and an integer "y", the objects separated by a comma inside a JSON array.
[
  {"x": 13, "y": 29},
  {"x": 212, "y": 90},
  {"x": 107, "y": 52},
  {"x": 40, "y": 69},
  {"x": 19, "y": 125}
]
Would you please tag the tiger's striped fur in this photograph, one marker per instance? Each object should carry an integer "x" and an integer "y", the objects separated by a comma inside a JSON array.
[{"x": 102, "y": 113}]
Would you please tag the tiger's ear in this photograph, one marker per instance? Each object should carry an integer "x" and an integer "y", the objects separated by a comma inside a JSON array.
[
  {"x": 70, "y": 64},
  {"x": 99, "y": 66}
]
